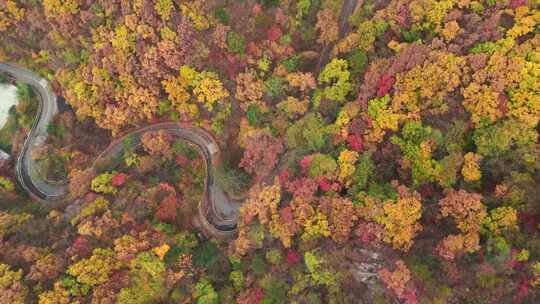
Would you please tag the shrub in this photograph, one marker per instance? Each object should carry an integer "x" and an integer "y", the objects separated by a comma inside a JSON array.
[
  {"x": 274, "y": 87},
  {"x": 270, "y": 3},
  {"x": 103, "y": 183},
  {"x": 96, "y": 269},
  {"x": 97, "y": 206},
  {"x": 274, "y": 256},
  {"x": 205, "y": 293},
  {"x": 322, "y": 165},
  {"x": 416, "y": 145},
  {"x": 308, "y": 133},
  {"x": 253, "y": 114},
  {"x": 236, "y": 43},
  {"x": 6, "y": 184},
  {"x": 206, "y": 255},
  {"x": 3, "y": 78},
  {"x": 291, "y": 63},
  {"x": 336, "y": 75},
  {"x": 221, "y": 14},
  {"x": 258, "y": 265},
  {"x": 147, "y": 276},
  {"x": 232, "y": 180},
  {"x": 12, "y": 289},
  {"x": 358, "y": 61}
]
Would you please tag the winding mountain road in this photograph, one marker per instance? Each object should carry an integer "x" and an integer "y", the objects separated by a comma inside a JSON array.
[
  {"x": 26, "y": 168},
  {"x": 217, "y": 208},
  {"x": 217, "y": 213}
]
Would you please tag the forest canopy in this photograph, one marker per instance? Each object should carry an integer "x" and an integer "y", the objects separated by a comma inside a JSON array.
[{"x": 375, "y": 151}]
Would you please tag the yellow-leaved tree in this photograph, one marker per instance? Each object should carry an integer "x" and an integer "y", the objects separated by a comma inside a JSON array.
[
  {"x": 398, "y": 217},
  {"x": 468, "y": 213}
]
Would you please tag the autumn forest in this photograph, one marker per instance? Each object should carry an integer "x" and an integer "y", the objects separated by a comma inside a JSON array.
[{"x": 270, "y": 151}]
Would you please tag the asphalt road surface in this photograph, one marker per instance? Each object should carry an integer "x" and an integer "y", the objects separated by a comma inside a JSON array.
[
  {"x": 25, "y": 166},
  {"x": 346, "y": 11}
]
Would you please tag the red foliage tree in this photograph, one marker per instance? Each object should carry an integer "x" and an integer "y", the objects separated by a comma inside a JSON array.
[
  {"x": 253, "y": 49},
  {"x": 355, "y": 142},
  {"x": 181, "y": 160},
  {"x": 399, "y": 281},
  {"x": 261, "y": 154},
  {"x": 167, "y": 208},
  {"x": 293, "y": 257},
  {"x": 302, "y": 187},
  {"x": 274, "y": 33},
  {"x": 119, "y": 179},
  {"x": 325, "y": 184},
  {"x": 385, "y": 84},
  {"x": 517, "y": 3},
  {"x": 80, "y": 247},
  {"x": 523, "y": 291},
  {"x": 251, "y": 296},
  {"x": 368, "y": 232},
  {"x": 284, "y": 176},
  {"x": 305, "y": 163}
]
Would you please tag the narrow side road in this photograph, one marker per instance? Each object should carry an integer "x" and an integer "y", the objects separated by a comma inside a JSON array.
[{"x": 346, "y": 11}]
